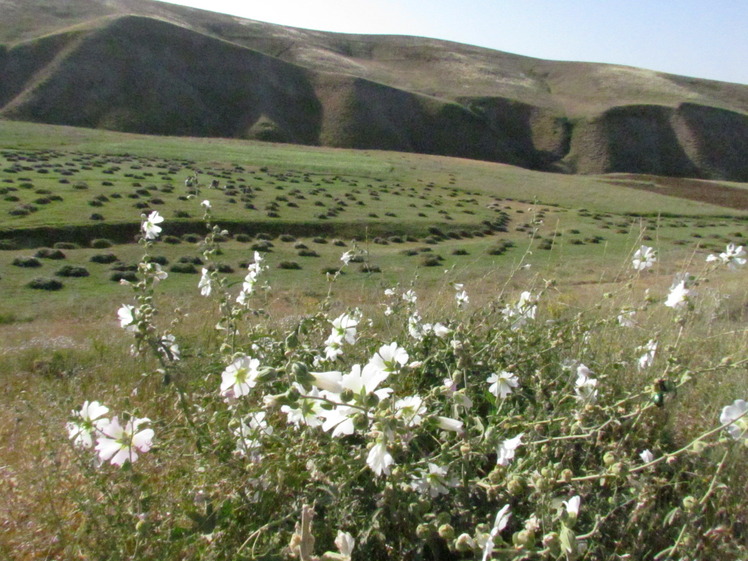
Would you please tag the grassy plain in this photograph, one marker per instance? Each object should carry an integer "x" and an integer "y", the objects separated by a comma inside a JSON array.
[{"x": 485, "y": 222}]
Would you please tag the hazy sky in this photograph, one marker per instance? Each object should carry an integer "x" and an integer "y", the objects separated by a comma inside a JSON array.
[{"x": 706, "y": 39}]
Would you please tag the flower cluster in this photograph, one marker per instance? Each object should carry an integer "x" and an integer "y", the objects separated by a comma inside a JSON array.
[{"x": 115, "y": 443}]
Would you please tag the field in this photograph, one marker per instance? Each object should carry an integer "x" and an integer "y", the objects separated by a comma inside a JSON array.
[{"x": 72, "y": 206}]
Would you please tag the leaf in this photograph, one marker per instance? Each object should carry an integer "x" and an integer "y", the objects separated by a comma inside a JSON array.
[
  {"x": 671, "y": 516},
  {"x": 569, "y": 543}
]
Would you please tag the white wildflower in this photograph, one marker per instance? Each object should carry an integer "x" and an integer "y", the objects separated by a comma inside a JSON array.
[
  {"x": 118, "y": 444},
  {"x": 89, "y": 420},
  {"x": 506, "y": 450},
  {"x": 150, "y": 227},
  {"x": 502, "y": 383},
  {"x": 644, "y": 258},
  {"x": 737, "y": 415}
]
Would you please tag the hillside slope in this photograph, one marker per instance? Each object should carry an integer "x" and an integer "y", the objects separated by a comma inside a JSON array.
[{"x": 157, "y": 68}]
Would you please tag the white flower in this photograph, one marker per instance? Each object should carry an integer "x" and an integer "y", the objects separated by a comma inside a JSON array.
[
  {"x": 155, "y": 271},
  {"x": 737, "y": 415},
  {"x": 644, "y": 258},
  {"x": 433, "y": 482},
  {"x": 733, "y": 256},
  {"x": 366, "y": 380},
  {"x": 343, "y": 330},
  {"x": 379, "y": 459},
  {"x": 205, "y": 204},
  {"x": 307, "y": 412},
  {"x": 523, "y": 311},
  {"x": 127, "y": 317},
  {"x": 240, "y": 376},
  {"x": 502, "y": 518},
  {"x": 87, "y": 421},
  {"x": 502, "y": 383},
  {"x": 461, "y": 296},
  {"x": 646, "y": 360},
  {"x": 449, "y": 424},
  {"x": 646, "y": 456},
  {"x": 572, "y": 505},
  {"x": 441, "y": 331},
  {"x": 339, "y": 420},
  {"x": 151, "y": 228},
  {"x": 346, "y": 257},
  {"x": 679, "y": 295},
  {"x": 169, "y": 347},
  {"x": 410, "y": 410},
  {"x": 205, "y": 285},
  {"x": 585, "y": 385},
  {"x": 118, "y": 444},
  {"x": 505, "y": 451},
  {"x": 626, "y": 318},
  {"x": 389, "y": 357},
  {"x": 330, "y": 381},
  {"x": 345, "y": 544},
  {"x": 410, "y": 297}
]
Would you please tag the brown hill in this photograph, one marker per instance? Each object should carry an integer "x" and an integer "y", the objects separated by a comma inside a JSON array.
[{"x": 144, "y": 66}]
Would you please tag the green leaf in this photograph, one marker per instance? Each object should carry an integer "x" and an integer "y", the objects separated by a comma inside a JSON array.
[{"x": 569, "y": 543}]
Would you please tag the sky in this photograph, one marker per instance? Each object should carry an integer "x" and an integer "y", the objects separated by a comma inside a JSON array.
[{"x": 700, "y": 38}]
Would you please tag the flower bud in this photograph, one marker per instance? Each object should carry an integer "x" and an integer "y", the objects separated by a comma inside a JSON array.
[
  {"x": 522, "y": 538},
  {"x": 446, "y": 532},
  {"x": 346, "y": 395},
  {"x": 567, "y": 475},
  {"x": 609, "y": 458},
  {"x": 496, "y": 475},
  {"x": 292, "y": 341},
  {"x": 689, "y": 503},
  {"x": 360, "y": 422},
  {"x": 464, "y": 543},
  {"x": 515, "y": 486},
  {"x": 551, "y": 540},
  {"x": 423, "y": 531}
]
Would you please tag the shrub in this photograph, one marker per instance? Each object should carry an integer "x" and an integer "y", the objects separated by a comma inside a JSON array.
[
  {"x": 43, "y": 283},
  {"x": 369, "y": 268},
  {"x": 119, "y": 276},
  {"x": 72, "y": 271},
  {"x": 101, "y": 243},
  {"x": 308, "y": 253},
  {"x": 160, "y": 259},
  {"x": 104, "y": 258},
  {"x": 431, "y": 260},
  {"x": 173, "y": 240},
  {"x": 46, "y": 253},
  {"x": 194, "y": 260},
  {"x": 289, "y": 265},
  {"x": 186, "y": 268},
  {"x": 66, "y": 245},
  {"x": 262, "y": 246},
  {"x": 27, "y": 262}
]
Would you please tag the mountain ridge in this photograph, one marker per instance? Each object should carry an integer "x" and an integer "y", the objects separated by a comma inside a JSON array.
[{"x": 156, "y": 68}]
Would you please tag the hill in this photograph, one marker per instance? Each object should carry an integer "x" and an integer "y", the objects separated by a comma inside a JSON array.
[{"x": 156, "y": 68}]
